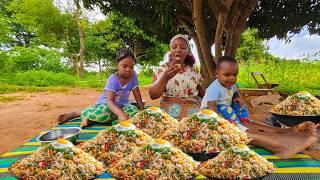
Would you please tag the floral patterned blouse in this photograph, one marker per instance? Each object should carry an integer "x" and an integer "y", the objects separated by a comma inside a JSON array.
[{"x": 183, "y": 85}]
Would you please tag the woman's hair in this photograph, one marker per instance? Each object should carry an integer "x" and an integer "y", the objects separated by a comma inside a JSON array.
[
  {"x": 124, "y": 53},
  {"x": 190, "y": 60}
]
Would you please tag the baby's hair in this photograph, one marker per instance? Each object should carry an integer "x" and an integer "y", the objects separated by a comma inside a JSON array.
[
  {"x": 124, "y": 53},
  {"x": 223, "y": 59}
]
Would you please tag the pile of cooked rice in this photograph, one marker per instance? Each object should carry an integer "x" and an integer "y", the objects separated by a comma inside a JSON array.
[
  {"x": 128, "y": 152},
  {"x": 238, "y": 162},
  {"x": 113, "y": 144},
  {"x": 154, "y": 121},
  {"x": 156, "y": 160},
  {"x": 58, "y": 160},
  {"x": 302, "y": 103},
  {"x": 205, "y": 131}
]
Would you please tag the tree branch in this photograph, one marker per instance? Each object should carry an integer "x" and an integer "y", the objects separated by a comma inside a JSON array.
[
  {"x": 184, "y": 2},
  {"x": 205, "y": 49},
  {"x": 187, "y": 18},
  {"x": 218, "y": 36},
  {"x": 186, "y": 26},
  {"x": 240, "y": 25},
  {"x": 216, "y": 7}
]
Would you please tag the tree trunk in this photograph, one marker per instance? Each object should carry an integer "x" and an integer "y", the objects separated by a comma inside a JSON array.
[
  {"x": 237, "y": 19},
  {"x": 204, "y": 70},
  {"x": 81, "y": 38},
  {"x": 100, "y": 69},
  {"x": 230, "y": 16},
  {"x": 203, "y": 43},
  {"x": 218, "y": 36}
]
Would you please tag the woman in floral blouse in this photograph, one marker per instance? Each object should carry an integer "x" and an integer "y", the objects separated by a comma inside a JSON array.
[{"x": 177, "y": 81}]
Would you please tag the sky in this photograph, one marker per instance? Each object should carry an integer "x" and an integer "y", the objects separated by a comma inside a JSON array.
[{"x": 301, "y": 45}]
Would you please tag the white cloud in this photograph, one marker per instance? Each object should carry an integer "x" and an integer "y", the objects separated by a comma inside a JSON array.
[{"x": 302, "y": 45}]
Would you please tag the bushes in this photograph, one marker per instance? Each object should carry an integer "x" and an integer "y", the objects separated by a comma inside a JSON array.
[
  {"x": 292, "y": 76},
  {"x": 40, "y": 78},
  {"x": 30, "y": 58}
]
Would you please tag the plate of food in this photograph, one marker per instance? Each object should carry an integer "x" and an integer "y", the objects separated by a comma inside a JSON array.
[
  {"x": 154, "y": 121},
  {"x": 156, "y": 160},
  {"x": 238, "y": 162},
  {"x": 297, "y": 108},
  {"x": 205, "y": 134},
  {"x": 113, "y": 144},
  {"x": 57, "y": 160}
]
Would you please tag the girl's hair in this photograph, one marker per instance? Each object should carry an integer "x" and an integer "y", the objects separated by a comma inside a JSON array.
[{"x": 124, "y": 53}]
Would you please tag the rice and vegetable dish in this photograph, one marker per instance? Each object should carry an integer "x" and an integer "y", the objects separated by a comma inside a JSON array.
[
  {"x": 238, "y": 162},
  {"x": 156, "y": 160},
  {"x": 302, "y": 103},
  {"x": 154, "y": 121},
  {"x": 58, "y": 160},
  {"x": 111, "y": 145},
  {"x": 205, "y": 131}
]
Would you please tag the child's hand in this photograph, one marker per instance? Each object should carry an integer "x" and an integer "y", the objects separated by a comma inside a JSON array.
[
  {"x": 241, "y": 101},
  {"x": 123, "y": 117}
]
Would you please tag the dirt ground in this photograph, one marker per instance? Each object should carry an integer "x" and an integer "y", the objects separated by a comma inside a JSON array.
[{"x": 23, "y": 119}]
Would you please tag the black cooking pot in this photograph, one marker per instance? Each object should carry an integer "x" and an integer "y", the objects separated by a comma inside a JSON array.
[
  {"x": 203, "y": 156},
  {"x": 292, "y": 120}
]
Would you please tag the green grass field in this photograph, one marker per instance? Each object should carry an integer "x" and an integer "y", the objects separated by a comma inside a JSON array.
[{"x": 292, "y": 76}]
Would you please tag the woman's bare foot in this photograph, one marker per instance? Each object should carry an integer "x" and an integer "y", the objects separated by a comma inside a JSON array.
[
  {"x": 296, "y": 141},
  {"x": 68, "y": 116},
  {"x": 270, "y": 129},
  {"x": 313, "y": 154}
]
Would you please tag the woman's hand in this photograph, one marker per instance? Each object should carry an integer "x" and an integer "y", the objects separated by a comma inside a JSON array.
[
  {"x": 157, "y": 89},
  {"x": 194, "y": 101},
  {"x": 172, "y": 71}
]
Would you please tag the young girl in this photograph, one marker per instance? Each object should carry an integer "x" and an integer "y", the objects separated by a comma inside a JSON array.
[
  {"x": 114, "y": 102},
  {"x": 223, "y": 97}
]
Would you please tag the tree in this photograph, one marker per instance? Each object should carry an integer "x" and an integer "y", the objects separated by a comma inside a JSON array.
[
  {"x": 11, "y": 33},
  {"x": 214, "y": 22},
  {"x": 105, "y": 38},
  {"x": 251, "y": 46},
  {"x": 52, "y": 28},
  {"x": 77, "y": 13}
]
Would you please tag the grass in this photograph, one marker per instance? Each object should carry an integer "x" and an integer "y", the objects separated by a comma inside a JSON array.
[
  {"x": 10, "y": 88},
  {"x": 292, "y": 76},
  {"x": 6, "y": 99},
  {"x": 144, "y": 79}
]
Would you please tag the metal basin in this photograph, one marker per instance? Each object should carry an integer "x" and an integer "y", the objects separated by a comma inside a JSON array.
[
  {"x": 70, "y": 134},
  {"x": 292, "y": 120}
]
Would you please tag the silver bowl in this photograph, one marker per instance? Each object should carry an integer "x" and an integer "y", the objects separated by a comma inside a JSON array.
[{"x": 70, "y": 134}]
